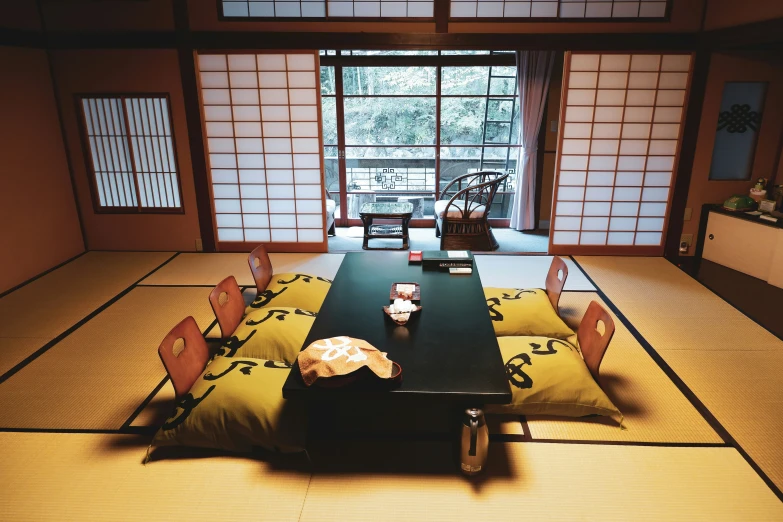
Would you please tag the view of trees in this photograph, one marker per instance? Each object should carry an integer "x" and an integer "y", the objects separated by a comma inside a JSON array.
[
  {"x": 397, "y": 106},
  {"x": 391, "y": 116}
]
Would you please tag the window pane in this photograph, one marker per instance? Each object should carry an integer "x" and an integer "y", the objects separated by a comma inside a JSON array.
[
  {"x": 502, "y": 86},
  {"x": 738, "y": 125},
  {"x": 332, "y": 173},
  {"x": 498, "y": 132},
  {"x": 327, "y": 80},
  {"x": 389, "y": 121},
  {"x": 500, "y": 109},
  {"x": 375, "y": 81},
  {"x": 462, "y": 120},
  {"x": 504, "y": 70},
  {"x": 447, "y": 53},
  {"x": 389, "y": 152},
  {"x": 329, "y": 114},
  {"x": 464, "y": 80}
]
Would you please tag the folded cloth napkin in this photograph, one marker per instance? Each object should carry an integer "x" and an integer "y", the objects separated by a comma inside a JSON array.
[{"x": 341, "y": 356}]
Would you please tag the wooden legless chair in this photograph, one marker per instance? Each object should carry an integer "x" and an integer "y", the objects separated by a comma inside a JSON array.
[
  {"x": 592, "y": 343},
  {"x": 555, "y": 283},
  {"x": 228, "y": 305},
  {"x": 184, "y": 354},
  {"x": 261, "y": 267}
]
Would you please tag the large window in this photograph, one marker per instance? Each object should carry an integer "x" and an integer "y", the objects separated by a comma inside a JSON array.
[
  {"x": 131, "y": 153},
  {"x": 401, "y": 132}
]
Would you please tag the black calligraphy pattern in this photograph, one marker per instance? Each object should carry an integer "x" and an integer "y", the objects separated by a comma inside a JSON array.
[
  {"x": 248, "y": 365},
  {"x": 265, "y": 297},
  {"x": 230, "y": 347},
  {"x": 516, "y": 376},
  {"x": 518, "y": 295},
  {"x": 281, "y": 314},
  {"x": 550, "y": 347},
  {"x": 494, "y": 314},
  {"x": 277, "y": 364},
  {"x": 185, "y": 406}
]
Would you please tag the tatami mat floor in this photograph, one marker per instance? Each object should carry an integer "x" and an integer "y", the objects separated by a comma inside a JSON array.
[
  {"x": 50, "y": 305},
  {"x": 94, "y": 370},
  {"x": 731, "y": 364}
]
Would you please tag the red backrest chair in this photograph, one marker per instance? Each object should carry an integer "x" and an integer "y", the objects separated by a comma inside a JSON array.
[
  {"x": 184, "y": 354},
  {"x": 592, "y": 342},
  {"x": 228, "y": 305}
]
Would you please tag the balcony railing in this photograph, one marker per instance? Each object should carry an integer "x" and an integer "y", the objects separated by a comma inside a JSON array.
[{"x": 411, "y": 179}]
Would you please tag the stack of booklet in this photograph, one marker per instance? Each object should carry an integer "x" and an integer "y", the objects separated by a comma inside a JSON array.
[{"x": 447, "y": 259}]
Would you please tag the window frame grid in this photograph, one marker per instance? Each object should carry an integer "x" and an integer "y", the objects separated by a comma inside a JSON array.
[
  {"x": 607, "y": 248},
  {"x": 666, "y": 17},
  {"x": 493, "y": 59},
  {"x": 127, "y": 139},
  {"x": 417, "y": 19}
]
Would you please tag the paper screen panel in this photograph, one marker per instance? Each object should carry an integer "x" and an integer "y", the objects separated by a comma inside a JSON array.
[
  {"x": 569, "y": 9},
  {"x": 328, "y": 9},
  {"x": 111, "y": 162},
  {"x": 262, "y": 128},
  {"x": 131, "y": 152},
  {"x": 621, "y": 123}
]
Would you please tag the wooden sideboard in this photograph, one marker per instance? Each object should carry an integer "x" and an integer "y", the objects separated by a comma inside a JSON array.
[{"x": 742, "y": 242}]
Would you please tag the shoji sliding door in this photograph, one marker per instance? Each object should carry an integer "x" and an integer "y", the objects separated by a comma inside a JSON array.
[
  {"x": 262, "y": 123},
  {"x": 621, "y": 122}
]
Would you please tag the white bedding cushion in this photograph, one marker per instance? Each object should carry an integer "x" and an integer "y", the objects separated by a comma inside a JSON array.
[{"x": 455, "y": 209}]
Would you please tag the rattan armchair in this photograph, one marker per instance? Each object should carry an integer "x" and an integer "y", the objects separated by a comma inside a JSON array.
[{"x": 462, "y": 210}]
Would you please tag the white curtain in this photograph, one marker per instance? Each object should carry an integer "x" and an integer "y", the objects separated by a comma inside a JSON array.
[{"x": 534, "y": 68}]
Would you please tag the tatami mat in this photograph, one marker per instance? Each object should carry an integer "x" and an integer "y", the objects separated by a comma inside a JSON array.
[
  {"x": 14, "y": 350},
  {"x": 525, "y": 272},
  {"x": 743, "y": 391},
  {"x": 210, "y": 269},
  {"x": 158, "y": 409},
  {"x": 730, "y": 363},
  {"x": 99, "y": 375},
  {"x": 539, "y": 481},
  {"x": 43, "y": 309},
  {"x": 655, "y": 410},
  {"x": 101, "y": 477}
]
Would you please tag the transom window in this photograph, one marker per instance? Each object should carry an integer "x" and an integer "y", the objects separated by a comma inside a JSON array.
[
  {"x": 461, "y": 10},
  {"x": 131, "y": 154},
  {"x": 401, "y": 132},
  {"x": 549, "y": 9}
]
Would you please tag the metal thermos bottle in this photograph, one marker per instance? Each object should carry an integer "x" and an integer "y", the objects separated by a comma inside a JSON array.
[{"x": 474, "y": 442}]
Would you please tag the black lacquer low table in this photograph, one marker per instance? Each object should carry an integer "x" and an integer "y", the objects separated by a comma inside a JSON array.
[{"x": 448, "y": 353}]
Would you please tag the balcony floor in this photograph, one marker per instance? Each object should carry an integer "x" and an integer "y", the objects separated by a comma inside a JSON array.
[{"x": 350, "y": 239}]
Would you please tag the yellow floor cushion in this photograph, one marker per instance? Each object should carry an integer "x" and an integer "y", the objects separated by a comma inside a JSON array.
[
  {"x": 290, "y": 289},
  {"x": 549, "y": 377},
  {"x": 273, "y": 333},
  {"x": 237, "y": 404},
  {"x": 524, "y": 312}
]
